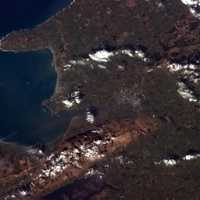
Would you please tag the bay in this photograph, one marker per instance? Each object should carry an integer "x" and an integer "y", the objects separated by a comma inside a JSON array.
[{"x": 27, "y": 79}]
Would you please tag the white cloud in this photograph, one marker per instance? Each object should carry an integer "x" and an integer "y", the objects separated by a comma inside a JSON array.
[
  {"x": 186, "y": 93},
  {"x": 23, "y": 193},
  {"x": 101, "y": 56},
  {"x": 67, "y": 103},
  {"x": 90, "y": 117},
  {"x": 166, "y": 162},
  {"x": 75, "y": 99},
  {"x": 173, "y": 162},
  {"x": 191, "y": 157},
  {"x": 192, "y": 4}
]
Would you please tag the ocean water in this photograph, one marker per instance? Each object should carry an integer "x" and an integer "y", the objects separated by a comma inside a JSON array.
[
  {"x": 26, "y": 79},
  {"x": 19, "y": 14}
]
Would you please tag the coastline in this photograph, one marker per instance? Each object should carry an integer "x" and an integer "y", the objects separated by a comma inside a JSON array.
[
  {"x": 38, "y": 26},
  {"x": 121, "y": 78}
]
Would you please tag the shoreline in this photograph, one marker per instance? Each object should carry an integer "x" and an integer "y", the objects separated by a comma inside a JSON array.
[
  {"x": 53, "y": 64},
  {"x": 49, "y": 48}
]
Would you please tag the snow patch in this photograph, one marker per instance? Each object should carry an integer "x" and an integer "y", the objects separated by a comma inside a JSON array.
[
  {"x": 23, "y": 193},
  {"x": 94, "y": 172},
  {"x": 191, "y": 157},
  {"x": 189, "y": 71},
  {"x": 13, "y": 196},
  {"x": 101, "y": 56},
  {"x": 173, "y": 162},
  {"x": 79, "y": 62},
  {"x": 102, "y": 66},
  {"x": 72, "y": 3},
  {"x": 121, "y": 67},
  {"x": 98, "y": 131},
  {"x": 93, "y": 153},
  {"x": 186, "y": 93},
  {"x": 160, "y": 5},
  {"x": 90, "y": 117},
  {"x": 126, "y": 52},
  {"x": 75, "y": 98},
  {"x": 76, "y": 95},
  {"x": 67, "y": 67},
  {"x": 67, "y": 103},
  {"x": 166, "y": 162},
  {"x": 140, "y": 54},
  {"x": 104, "y": 56},
  {"x": 193, "y": 7}
]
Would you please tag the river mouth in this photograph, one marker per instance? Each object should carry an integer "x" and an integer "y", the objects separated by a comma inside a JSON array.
[{"x": 26, "y": 80}]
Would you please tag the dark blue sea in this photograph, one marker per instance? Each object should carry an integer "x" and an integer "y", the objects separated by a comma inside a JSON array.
[
  {"x": 18, "y": 14},
  {"x": 26, "y": 79}
]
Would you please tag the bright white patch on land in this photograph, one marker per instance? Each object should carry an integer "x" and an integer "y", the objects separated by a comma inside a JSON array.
[
  {"x": 105, "y": 56},
  {"x": 160, "y": 5},
  {"x": 67, "y": 67},
  {"x": 166, "y": 162},
  {"x": 189, "y": 71},
  {"x": 75, "y": 99},
  {"x": 191, "y": 157},
  {"x": 23, "y": 193},
  {"x": 94, "y": 172},
  {"x": 72, "y": 3},
  {"x": 76, "y": 96},
  {"x": 173, "y": 162},
  {"x": 133, "y": 54},
  {"x": 102, "y": 66},
  {"x": 57, "y": 163},
  {"x": 90, "y": 117},
  {"x": 67, "y": 103},
  {"x": 101, "y": 56},
  {"x": 34, "y": 151},
  {"x": 150, "y": 70},
  {"x": 140, "y": 54},
  {"x": 186, "y": 93},
  {"x": 126, "y": 52},
  {"x": 192, "y": 4},
  {"x": 174, "y": 67},
  {"x": 92, "y": 153},
  {"x": 13, "y": 196},
  {"x": 121, "y": 67},
  {"x": 79, "y": 62},
  {"x": 123, "y": 160},
  {"x": 99, "y": 131}
]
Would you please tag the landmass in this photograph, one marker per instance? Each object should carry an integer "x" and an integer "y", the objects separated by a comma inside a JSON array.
[{"x": 130, "y": 69}]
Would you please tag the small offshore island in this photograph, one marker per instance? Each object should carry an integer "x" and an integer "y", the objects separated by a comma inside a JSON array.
[{"x": 129, "y": 72}]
